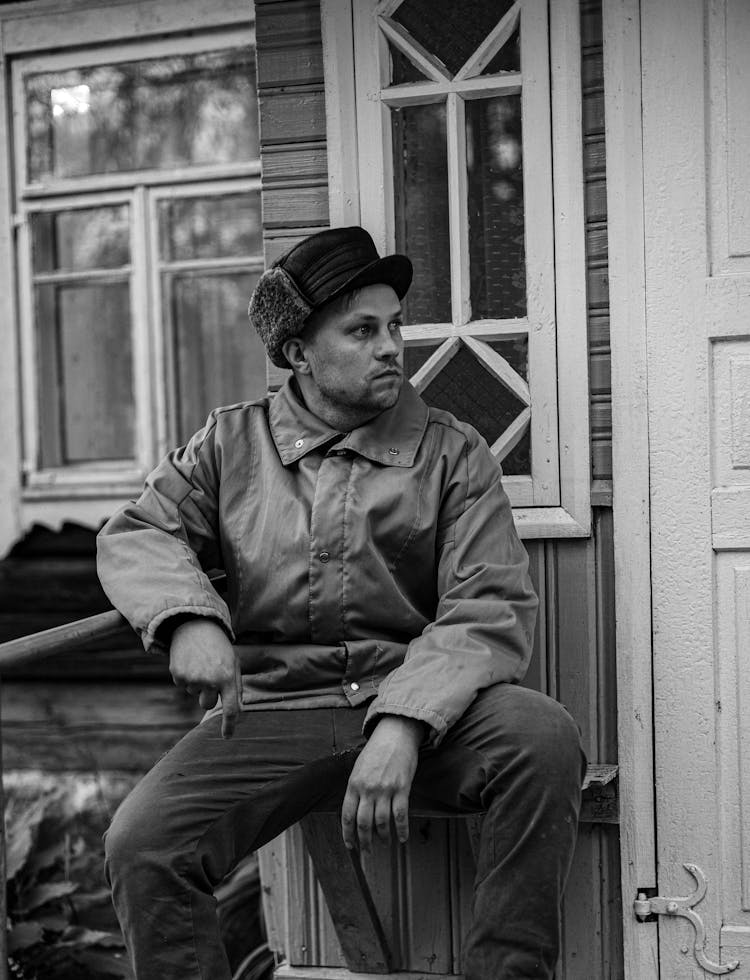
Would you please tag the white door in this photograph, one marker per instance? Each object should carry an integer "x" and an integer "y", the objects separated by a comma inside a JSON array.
[{"x": 696, "y": 148}]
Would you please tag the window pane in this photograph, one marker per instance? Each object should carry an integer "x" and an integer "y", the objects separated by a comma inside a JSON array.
[
  {"x": 451, "y": 30},
  {"x": 213, "y": 227},
  {"x": 466, "y": 388},
  {"x": 496, "y": 217},
  {"x": 85, "y": 372},
  {"x": 415, "y": 355},
  {"x": 420, "y": 168},
  {"x": 163, "y": 112},
  {"x": 402, "y": 69},
  {"x": 219, "y": 358},
  {"x": 508, "y": 58},
  {"x": 85, "y": 238},
  {"x": 518, "y": 460}
]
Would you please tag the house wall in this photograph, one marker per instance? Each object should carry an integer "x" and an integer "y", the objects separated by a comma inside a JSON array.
[{"x": 113, "y": 708}]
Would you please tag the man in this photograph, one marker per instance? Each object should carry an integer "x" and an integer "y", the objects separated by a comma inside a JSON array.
[{"x": 383, "y": 614}]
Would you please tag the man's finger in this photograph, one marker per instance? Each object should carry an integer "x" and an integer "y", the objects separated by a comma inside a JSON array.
[
  {"x": 383, "y": 818},
  {"x": 365, "y": 816},
  {"x": 349, "y": 818},
  {"x": 230, "y": 707},
  {"x": 208, "y": 697},
  {"x": 400, "y": 808}
]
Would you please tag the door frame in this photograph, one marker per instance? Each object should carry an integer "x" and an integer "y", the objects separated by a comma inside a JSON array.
[{"x": 630, "y": 475}]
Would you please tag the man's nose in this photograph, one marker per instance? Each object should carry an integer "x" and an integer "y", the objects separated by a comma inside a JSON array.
[{"x": 388, "y": 345}]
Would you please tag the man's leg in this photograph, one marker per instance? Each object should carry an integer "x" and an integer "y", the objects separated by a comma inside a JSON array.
[
  {"x": 203, "y": 807},
  {"x": 516, "y": 754}
]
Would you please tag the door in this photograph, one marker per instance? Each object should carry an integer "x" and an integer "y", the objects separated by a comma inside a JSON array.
[{"x": 696, "y": 118}]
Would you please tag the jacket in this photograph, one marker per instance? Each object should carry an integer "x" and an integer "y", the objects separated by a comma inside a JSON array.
[{"x": 376, "y": 565}]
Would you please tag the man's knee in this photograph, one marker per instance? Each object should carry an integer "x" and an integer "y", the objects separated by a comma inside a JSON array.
[
  {"x": 537, "y": 729},
  {"x": 132, "y": 836}
]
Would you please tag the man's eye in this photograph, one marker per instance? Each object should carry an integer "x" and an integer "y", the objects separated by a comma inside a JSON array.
[{"x": 395, "y": 325}]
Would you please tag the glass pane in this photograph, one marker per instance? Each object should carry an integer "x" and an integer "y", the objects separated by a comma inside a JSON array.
[
  {"x": 85, "y": 372},
  {"x": 495, "y": 199},
  {"x": 466, "y": 388},
  {"x": 219, "y": 358},
  {"x": 420, "y": 174},
  {"x": 518, "y": 460},
  {"x": 416, "y": 355},
  {"x": 164, "y": 112},
  {"x": 508, "y": 58},
  {"x": 402, "y": 69},
  {"x": 213, "y": 227},
  {"x": 85, "y": 238},
  {"x": 515, "y": 350},
  {"x": 451, "y": 30}
]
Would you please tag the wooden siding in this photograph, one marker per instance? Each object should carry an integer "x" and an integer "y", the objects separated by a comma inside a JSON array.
[{"x": 595, "y": 205}]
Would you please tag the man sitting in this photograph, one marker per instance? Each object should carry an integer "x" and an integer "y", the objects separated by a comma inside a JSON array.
[{"x": 383, "y": 615}]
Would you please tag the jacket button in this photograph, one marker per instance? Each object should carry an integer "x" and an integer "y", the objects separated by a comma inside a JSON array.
[
  {"x": 299, "y": 444},
  {"x": 393, "y": 451},
  {"x": 324, "y": 556},
  {"x": 354, "y": 686}
]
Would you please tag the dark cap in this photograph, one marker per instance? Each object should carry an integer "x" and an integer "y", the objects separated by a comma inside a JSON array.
[{"x": 311, "y": 274}]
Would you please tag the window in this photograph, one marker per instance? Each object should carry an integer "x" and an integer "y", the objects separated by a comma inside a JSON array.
[
  {"x": 469, "y": 160},
  {"x": 139, "y": 244}
]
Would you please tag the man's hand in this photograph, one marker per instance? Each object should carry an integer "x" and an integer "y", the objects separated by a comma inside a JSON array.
[
  {"x": 203, "y": 661},
  {"x": 380, "y": 782}
]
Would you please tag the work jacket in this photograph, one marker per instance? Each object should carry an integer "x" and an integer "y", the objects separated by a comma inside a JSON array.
[{"x": 380, "y": 564}]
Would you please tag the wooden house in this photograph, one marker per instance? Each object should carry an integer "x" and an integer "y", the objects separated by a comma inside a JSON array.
[{"x": 571, "y": 179}]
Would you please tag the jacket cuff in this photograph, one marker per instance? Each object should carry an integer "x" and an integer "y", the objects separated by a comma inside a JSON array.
[
  {"x": 436, "y": 725},
  {"x": 158, "y": 634}
]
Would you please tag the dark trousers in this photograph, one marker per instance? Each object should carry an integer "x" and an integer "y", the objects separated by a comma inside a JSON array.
[{"x": 209, "y": 802}]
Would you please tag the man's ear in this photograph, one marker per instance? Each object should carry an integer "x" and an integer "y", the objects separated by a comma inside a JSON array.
[{"x": 295, "y": 351}]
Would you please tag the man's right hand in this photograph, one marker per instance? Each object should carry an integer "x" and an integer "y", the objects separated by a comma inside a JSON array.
[{"x": 203, "y": 661}]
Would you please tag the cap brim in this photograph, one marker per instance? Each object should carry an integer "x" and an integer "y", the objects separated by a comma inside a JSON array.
[{"x": 395, "y": 271}]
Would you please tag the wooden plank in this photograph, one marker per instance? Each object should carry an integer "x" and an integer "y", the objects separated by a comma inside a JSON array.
[
  {"x": 427, "y": 937},
  {"x": 42, "y": 28},
  {"x": 82, "y": 725},
  {"x": 286, "y": 21},
  {"x": 581, "y": 954},
  {"x": 347, "y": 895},
  {"x": 630, "y": 467},
  {"x": 292, "y": 64},
  {"x": 281, "y": 162},
  {"x": 297, "y": 206},
  {"x": 292, "y": 117},
  {"x": 341, "y": 111}
]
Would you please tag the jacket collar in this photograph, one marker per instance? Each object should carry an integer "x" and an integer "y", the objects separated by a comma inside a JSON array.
[{"x": 391, "y": 438}]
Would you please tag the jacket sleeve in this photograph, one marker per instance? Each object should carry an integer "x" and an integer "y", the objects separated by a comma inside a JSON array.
[
  {"x": 484, "y": 623},
  {"x": 152, "y": 555}
]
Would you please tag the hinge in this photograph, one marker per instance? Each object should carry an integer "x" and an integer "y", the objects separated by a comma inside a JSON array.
[{"x": 645, "y": 907}]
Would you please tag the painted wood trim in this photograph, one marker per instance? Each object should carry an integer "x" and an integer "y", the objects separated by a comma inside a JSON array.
[
  {"x": 487, "y": 330},
  {"x": 570, "y": 262},
  {"x": 47, "y": 26},
  {"x": 630, "y": 465},
  {"x": 417, "y": 93},
  {"x": 458, "y": 209},
  {"x": 537, "y": 39},
  {"x": 10, "y": 418},
  {"x": 341, "y": 114}
]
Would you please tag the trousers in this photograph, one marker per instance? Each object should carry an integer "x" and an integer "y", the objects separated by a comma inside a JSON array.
[{"x": 209, "y": 802}]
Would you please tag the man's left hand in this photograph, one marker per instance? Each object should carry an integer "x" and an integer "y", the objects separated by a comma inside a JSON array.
[{"x": 380, "y": 782}]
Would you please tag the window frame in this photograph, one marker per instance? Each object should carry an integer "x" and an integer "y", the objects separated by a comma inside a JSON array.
[
  {"x": 360, "y": 192},
  {"x": 60, "y": 489}
]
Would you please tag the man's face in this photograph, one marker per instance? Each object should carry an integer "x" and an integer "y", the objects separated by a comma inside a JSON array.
[{"x": 355, "y": 351}]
